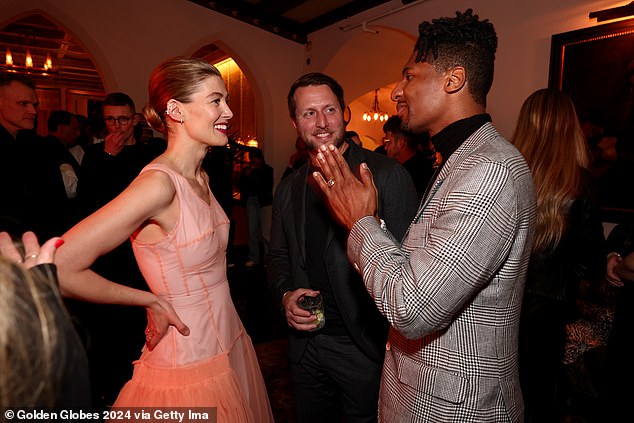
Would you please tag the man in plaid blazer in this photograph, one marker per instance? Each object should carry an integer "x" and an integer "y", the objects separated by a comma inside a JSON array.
[{"x": 452, "y": 290}]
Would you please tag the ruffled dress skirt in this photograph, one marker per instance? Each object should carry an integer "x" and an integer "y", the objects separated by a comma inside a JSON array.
[{"x": 208, "y": 383}]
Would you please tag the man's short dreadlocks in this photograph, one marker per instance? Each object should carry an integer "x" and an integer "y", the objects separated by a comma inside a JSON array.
[{"x": 461, "y": 41}]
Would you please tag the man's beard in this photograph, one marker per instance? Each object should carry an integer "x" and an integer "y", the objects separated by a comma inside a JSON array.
[
  {"x": 407, "y": 128},
  {"x": 315, "y": 146}
]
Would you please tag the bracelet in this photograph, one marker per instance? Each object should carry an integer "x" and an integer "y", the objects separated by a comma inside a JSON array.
[{"x": 110, "y": 154}]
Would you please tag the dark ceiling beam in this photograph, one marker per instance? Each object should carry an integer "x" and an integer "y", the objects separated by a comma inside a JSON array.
[
  {"x": 248, "y": 13},
  {"x": 279, "y": 7},
  {"x": 341, "y": 13}
]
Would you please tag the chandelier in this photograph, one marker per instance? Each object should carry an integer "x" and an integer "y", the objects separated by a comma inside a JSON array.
[{"x": 375, "y": 112}]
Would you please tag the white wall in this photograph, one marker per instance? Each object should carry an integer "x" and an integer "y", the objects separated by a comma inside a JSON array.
[
  {"x": 524, "y": 29},
  {"x": 128, "y": 38}
]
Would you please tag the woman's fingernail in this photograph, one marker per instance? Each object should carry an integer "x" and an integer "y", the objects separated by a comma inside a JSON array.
[{"x": 59, "y": 243}]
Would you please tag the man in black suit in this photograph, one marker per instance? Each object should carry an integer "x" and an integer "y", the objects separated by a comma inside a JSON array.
[
  {"x": 28, "y": 197},
  {"x": 63, "y": 133},
  {"x": 18, "y": 111},
  {"x": 336, "y": 370},
  {"x": 414, "y": 151}
]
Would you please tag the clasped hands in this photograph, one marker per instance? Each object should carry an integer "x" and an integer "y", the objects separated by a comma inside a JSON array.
[{"x": 348, "y": 197}]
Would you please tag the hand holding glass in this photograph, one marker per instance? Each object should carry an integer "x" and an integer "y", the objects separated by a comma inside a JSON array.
[{"x": 316, "y": 306}]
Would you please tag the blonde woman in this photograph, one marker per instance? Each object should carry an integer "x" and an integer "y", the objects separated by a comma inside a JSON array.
[
  {"x": 42, "y": 361},
  {"x": 568, "y": 245},
  {"x": 179, "y": 236}
]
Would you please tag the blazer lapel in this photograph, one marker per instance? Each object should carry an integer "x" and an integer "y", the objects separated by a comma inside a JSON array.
[{"x": 298, "y": 198}]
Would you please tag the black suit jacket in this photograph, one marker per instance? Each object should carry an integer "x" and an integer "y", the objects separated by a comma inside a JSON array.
[{"x": 287, "y": 248}]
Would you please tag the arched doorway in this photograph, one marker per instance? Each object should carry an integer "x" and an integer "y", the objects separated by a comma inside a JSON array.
[
  {"x": 242, "y": 130},
  {"x": 242, "y": 101},
  {"x": 63, "y": 71},
  {"x": 377, "y": 57}
]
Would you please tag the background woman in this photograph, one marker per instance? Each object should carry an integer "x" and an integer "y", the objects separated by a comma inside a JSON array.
[
  {"x": 179, "y": 235},
  {"x": 568, "y": 245},
  {"x": 42, "y": 361}
]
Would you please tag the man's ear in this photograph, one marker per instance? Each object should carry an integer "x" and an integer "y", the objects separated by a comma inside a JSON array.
[
  {"x": 456, "y": 79},
  {"x": 294, "y": 123}
]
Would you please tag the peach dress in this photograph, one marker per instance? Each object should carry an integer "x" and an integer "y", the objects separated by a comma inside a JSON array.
[{"x": 216, "y": 365}]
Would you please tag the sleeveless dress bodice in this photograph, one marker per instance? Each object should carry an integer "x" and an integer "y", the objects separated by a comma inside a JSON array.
[
  {"x": 188, "y": 269},
  {"x": 216, "y": 364}
]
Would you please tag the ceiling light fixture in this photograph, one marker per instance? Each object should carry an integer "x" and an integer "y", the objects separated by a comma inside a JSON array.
[
  {"x": 27, "y": 65},
  {"x": 375, "y": 112}
]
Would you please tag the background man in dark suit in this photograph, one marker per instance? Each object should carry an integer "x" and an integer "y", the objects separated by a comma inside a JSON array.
[
  {"x": 28, "y": 195},
  {"x": 18, "y": 111},
  {"x": 336, "y": 369}
]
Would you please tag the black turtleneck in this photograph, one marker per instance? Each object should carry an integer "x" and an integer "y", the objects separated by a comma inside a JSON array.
[{"x": 447, "y": 141}]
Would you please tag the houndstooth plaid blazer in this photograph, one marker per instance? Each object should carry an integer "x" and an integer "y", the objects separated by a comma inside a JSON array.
[{"x": 452, "y": 290}]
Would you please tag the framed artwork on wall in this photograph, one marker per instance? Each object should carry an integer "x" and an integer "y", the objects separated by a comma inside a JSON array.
[{"x": 595, "y": 67}]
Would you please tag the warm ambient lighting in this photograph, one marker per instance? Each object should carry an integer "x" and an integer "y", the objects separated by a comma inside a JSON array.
[
  {"x": 48, "y": 65},
  {"x": 28, "y": 67},
  {"x": 614, "y": 13},
  {"x": 375, "y": 112},
  {"x": 250, "y": 142},
  {"x": 29, "y": 60}
]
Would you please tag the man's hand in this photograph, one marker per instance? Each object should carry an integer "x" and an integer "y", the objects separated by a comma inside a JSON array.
[
  {"x": 297, "y": 317},
  {"x": 348, "y": 198},
  {"x": 113, "y": 143},
  {"x": 160, "y": 316}
]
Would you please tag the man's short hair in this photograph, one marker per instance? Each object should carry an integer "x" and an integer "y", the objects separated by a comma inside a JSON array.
[
  {"x": 256, "y": 153},
  {"x": 311, "y": 79},
  {"x": 57, "y": 118},
  {"x": 461, "y": 41},
  {"x": 6, "y": 78},
  {"x": 119, "y": 99},
  {"x": 395, "y": 125}
]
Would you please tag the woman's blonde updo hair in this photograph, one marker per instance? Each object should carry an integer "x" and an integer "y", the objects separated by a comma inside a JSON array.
[{"x": 177, "y": 78}]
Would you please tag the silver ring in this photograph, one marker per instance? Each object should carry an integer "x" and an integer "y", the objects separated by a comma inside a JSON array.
[
  {"x": 31, "y": 256},
  {"x": 330, "y": 182}
]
